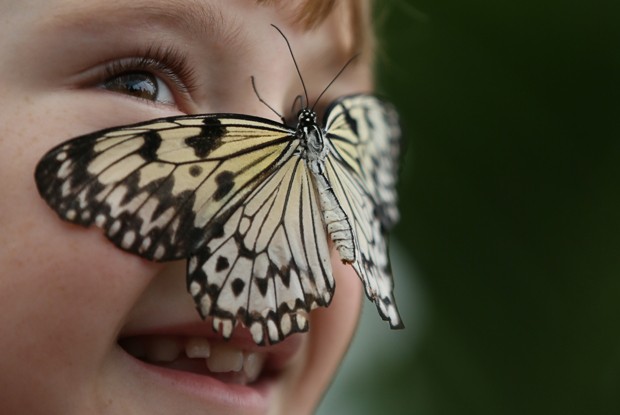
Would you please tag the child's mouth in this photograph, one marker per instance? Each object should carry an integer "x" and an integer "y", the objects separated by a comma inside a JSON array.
[
  {"x": 217, "y": 359},
  {"x": 195, "y": 348}
]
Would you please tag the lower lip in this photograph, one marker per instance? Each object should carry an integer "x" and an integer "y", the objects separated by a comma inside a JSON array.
[{"x": 207, "y": 391}]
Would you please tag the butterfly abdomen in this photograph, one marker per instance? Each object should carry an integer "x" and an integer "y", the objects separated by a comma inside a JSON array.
[{"x": 334, "y": 217}]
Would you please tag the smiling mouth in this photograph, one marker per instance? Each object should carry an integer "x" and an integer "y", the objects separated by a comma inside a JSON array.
[{"x": 214, "y": 358}]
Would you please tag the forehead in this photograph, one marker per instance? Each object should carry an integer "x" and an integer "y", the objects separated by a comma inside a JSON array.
[
  {"x": 203, "y": 17},
  {"x": 207, "y": 13}
]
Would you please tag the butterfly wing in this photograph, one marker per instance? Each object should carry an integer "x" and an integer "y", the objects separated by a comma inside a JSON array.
[
  {"x": 157, "y": 187},
  {"x": 271, "y": 265},
  {"x": 365, "y": 137}
]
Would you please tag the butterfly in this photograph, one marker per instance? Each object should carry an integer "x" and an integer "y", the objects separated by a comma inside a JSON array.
[{"x": 254, "y": 205}]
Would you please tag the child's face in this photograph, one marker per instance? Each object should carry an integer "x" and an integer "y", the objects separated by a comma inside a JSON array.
[{"x": 67, "y": 295}]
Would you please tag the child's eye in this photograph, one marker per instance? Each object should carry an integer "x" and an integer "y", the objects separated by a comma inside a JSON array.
[
  {"x": 140, "y": 84},
  {"x": 159, "y": 75}
]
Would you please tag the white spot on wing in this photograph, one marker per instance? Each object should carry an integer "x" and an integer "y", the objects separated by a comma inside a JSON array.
[
  {"x": 192, "y": 263},
  {"x": 257, "y": 332},
  {"x": 100, "y": 220},
  {"x": 285, "y": 324},
  {"x": 146, "y": 243},
  {"x": 116, "y": 226},
  {"x": 128, "y": 239},
  {"x": 302, "y": 322},
  {"x": 194, "y": 288},
  {"x": 272, "y": 329},
  {"x": 225, "y": 326},
  {"x": 159, "y": 252},
  {"x": 205, "y": 304},
  {"x": 65, "y": 169},
  {"x": 66, "y": 188},
  {"x": 71, "y": 214}
]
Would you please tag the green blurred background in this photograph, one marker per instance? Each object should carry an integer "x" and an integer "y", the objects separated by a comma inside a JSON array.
[{"x": 507, "y": 257}]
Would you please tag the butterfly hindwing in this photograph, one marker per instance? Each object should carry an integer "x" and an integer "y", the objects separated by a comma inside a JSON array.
[
  {"x": 270, "y": 266},
  {"x": 365, "y": 134}
]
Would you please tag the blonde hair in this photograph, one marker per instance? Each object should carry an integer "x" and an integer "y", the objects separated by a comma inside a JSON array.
[{"x": 310, "y": 13}]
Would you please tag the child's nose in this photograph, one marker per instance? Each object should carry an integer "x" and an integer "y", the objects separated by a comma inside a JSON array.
[{"x": 166, "y": 295}]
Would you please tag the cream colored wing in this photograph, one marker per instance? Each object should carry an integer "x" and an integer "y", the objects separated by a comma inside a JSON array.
[
  {"x": 269, "y": 263},
  {"x": 365, "y": 139},
  {"x": 156, "y": 188}
]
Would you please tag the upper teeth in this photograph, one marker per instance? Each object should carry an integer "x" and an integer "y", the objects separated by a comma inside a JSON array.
[
  {"x": 220, "y": 357},
  {"x": 225, "y": 359},
  {"x": 197, "y": 347}
]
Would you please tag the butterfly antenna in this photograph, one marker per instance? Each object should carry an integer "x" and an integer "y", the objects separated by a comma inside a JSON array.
[
  {"x": 334, "y": 80},
  {"x": 294, "y": 61},
  {"x": 265, "y": 102},
  {"x": 300, "y": 99}
]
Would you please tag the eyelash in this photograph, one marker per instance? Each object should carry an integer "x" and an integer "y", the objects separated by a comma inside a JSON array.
[{"x": 165, "y": 62}]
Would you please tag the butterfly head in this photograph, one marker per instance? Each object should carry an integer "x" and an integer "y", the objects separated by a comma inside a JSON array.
[{"x": 306, "y": 118}]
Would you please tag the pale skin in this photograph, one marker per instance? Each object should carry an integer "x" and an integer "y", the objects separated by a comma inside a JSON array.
[{"x": 66, "y": 294}]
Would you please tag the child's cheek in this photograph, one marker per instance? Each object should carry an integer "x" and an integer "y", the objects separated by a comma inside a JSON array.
[
  {"x": 59, "y": 260},
  {"x": 69, "y": 282},
  {"x": 62, "y": 301},
  {"x": 64, "y": 290}
]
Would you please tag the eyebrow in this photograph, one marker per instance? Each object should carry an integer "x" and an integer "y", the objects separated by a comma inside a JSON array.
[{"x": 194, "y": 17}]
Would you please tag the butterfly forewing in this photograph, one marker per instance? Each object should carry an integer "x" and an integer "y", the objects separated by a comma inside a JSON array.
[{"x": 154, "y": 187}]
